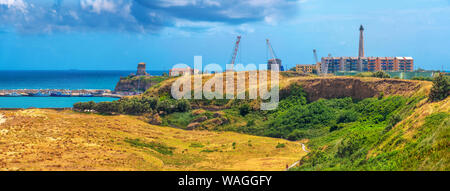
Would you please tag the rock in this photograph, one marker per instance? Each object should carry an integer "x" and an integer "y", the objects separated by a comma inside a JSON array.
[
  {"x": 200, "y": 119},
  {"x": 192, "y": 126},
  {"x": 216, "y": 115}
]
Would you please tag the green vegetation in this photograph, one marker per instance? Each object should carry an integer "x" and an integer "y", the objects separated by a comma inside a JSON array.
[
  {"x": 244, "y": 109},
  {"x": 342, "y": 133},
  {"x": 178, "y": 119},
  {"x": 280, "y": 145},
  {"x": 196, "y": 145},
  {"x": 440, "y": 89},
  {"x": 135, "y": 106},
  {"x": 422, "y": 78},
  {"x": 351, "y": 145},
  {"x": 159, "y": 147},
  {"x": 377, "y": 74}
]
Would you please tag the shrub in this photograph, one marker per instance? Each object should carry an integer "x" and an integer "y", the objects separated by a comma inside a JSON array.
[
  {"x": 250, "y": 123},
  {"x": 196, "y": 145},
  {"x": 348, "y": 116},
  {"x": 380, "y": 95},
  {"x": 440, "y": 89},
  {"x": 296, "y": 135},
  {"x": 158, "y": 147},
  {"x": 422, "y": 78},
  {"x": 83, "y": 106},
  {"x": 280, "y": 145},
  {"x": 350, "y": 145},
  {"x": 381, "y": 74},
  {"x": 244, "y": 109},
  {"x": 183, "y": 105},
  {"x": 335, "y": 127},
  {"x": 106, "y": 107}
]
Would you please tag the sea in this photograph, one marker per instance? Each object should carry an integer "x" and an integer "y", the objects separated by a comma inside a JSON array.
[{"x": 58, "y": 79}]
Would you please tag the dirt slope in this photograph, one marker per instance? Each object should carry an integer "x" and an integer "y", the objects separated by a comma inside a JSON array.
[{"x": 357, "y": 88}]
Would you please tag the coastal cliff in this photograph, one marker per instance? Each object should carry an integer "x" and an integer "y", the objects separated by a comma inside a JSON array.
[{"x": 137, "y": 83}]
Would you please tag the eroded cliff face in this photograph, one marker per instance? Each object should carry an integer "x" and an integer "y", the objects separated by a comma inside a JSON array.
[
  {"x": 338, "y": 87},
  {"x": 140, "y": 83},
  {"x": 357, "y": 88}
]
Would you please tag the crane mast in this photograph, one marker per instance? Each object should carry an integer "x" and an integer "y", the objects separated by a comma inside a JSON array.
[
  {"x": 317, "y": 61},
  {"x": 236, "y": 48},
  {"x": 274, "y": 56}
]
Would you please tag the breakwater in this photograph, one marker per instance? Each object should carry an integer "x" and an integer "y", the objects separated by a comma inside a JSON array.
[{"x": 59, "y": 93}]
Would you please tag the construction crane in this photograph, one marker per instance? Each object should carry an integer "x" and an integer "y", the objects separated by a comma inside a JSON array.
[
  {"x": 234, "y": 55},
  {"x": 317, "y": 61},
  {"x": 274, "y": 57}
]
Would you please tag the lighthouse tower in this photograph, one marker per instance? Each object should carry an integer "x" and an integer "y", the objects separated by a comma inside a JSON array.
[
  {"x": 361, "y": 49},
  {"x": 361, "y": 42}
]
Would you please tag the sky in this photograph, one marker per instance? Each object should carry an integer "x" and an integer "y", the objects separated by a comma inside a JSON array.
[{"x": 118, "y": 34}]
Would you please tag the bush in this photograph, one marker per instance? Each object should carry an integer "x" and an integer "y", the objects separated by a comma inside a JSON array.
[
  {"x": 335, "y": 127},
  {"x": 83, "y": 106},
  {"x": 351, "y": 145},
  {"x": 183, "y": 105},
  {"x": 381, "y": 74},
  {"x": 135, "y": 106},
  {"x": 244, "y": 109},
  {"x": 280, "y": 145},
  {"x": 106, "y": 107},
  {"x": 296, "y": 135},
  {"x": 158, "y": 147},
  {"x": 440, "y": 89},
  {"x": 250, "y": 123},
  {"x": 348, "y": 116},
  {"x": 422, "y": 78}
]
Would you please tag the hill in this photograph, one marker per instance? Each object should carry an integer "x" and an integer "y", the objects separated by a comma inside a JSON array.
[
  {"x": 347, "y": 123},
  {"x": 40, "y": 139}
]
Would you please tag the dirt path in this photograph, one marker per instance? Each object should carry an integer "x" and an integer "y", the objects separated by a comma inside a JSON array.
[
  {"x": 2, "y": 119},
  {"x": 295, "y": 163}
]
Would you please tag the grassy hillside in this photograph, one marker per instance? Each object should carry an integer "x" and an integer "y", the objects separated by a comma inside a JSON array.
[
  {"x": 419, "y": 142},
  {"x": 348, "y": 123},
  {"x": 37, "y": 139},
  {"x": 364, "y": 124}
]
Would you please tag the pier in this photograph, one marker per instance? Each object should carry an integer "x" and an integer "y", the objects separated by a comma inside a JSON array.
[{"x": 58, "y": 93}]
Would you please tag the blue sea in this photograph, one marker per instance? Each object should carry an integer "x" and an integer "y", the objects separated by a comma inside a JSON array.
[{"x": 67, "y": 79}]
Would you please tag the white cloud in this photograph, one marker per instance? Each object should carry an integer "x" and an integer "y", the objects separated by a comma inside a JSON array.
[
  {"x": 98, "y": 6},
  {"x": 270, "y": 19},
  {"x": 14, "y": 4},
  {"x": 177, "y": 3},
  {"x": 143, "y": 15},
  {"x": 182, "y": 3}
]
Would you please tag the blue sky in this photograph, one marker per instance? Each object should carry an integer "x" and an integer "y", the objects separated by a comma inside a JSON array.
[{"x": 117, "y": 34}]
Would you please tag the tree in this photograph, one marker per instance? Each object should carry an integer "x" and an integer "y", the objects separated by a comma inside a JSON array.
[{"x": 440, "y": 89}]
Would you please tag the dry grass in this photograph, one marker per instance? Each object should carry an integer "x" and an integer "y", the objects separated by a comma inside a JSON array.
[{"x": 39, "y": 139}]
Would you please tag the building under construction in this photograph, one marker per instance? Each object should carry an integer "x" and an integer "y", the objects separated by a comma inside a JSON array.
[{"x": 366, "y": 64}]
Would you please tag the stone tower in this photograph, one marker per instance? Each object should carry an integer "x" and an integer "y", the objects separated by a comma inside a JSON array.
[
  {"x": 361, "y": 42},
  {"x": 141, "y": 70}
]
